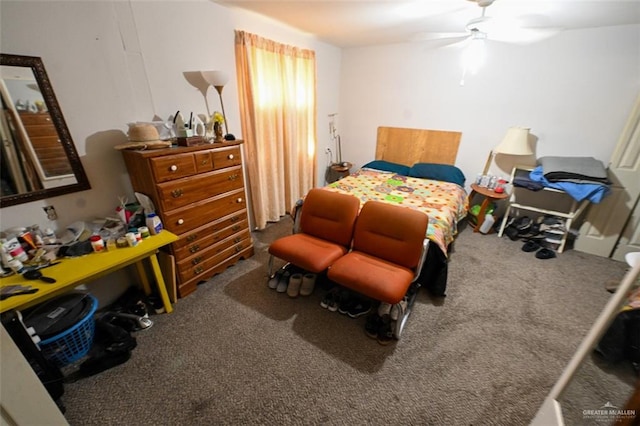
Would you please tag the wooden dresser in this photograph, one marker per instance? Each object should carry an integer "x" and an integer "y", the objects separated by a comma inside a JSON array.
[
  {"x": 199, "y": 194},
  {"x": 46, "y": 143}
]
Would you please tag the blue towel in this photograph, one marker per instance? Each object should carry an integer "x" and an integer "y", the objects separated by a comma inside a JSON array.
[{"x": 594, "y": 192}]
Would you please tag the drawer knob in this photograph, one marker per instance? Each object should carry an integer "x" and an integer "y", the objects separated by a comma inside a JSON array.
[
  {"x": 239, "y": 200},
  {"x": 230, "y": 157},
  {"x": 236, "y": 227},
  {"x": 198, "y": 270},
  {"x": 205, "y": 161},
  {"x": 173, "y": 168},
  {"x": 197, "y": 260},
  {"x": 238, "y": 248},
  {"x": 194, "y": 248},
  {"x": 192, "y": 237},
  {"x": 176, "y": 193},
  {"x": 180, "y": 221}
]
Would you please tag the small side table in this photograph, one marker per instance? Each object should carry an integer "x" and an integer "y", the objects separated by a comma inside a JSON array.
[
  {"x": 489, "y": 196},
  {"x": 338, "y": 171}
]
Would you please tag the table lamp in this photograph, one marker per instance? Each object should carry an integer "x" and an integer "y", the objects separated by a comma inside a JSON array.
[{"x": 515, "y": 142}]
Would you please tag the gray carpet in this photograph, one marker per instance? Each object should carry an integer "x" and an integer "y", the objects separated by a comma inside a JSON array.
[{"x": 236, "y": 352}]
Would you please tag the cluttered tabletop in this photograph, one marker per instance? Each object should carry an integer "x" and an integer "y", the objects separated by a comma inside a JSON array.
[{"x": 38, "y": 265}]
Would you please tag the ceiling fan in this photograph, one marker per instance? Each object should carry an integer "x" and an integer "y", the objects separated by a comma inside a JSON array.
[{"x": 486, "y": 27}]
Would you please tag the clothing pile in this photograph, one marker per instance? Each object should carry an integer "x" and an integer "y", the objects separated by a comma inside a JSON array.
[{"x": 580, "y": 177}]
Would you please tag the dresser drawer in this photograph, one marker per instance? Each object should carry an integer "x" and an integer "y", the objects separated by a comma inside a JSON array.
[
  {"x": 199, "y": 263},
  {"x": 47, "y": 130},
  {"x": 185, "y": 191},
  {"x": 204, "y": 161},
  {"x": 226, "y": 157},
  {"x": 173, "y": 167},
  {"x": 191, "y": 246},
  {"x": 41, "y": 118},
  {"x": 197, "y": 214}
]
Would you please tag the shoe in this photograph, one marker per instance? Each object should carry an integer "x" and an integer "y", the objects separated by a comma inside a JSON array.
[
  {"x": 344, "y": 301},
  {"x": 545, "y": 253},
  {"x": 385, "y": 333},
  {"x": 359, "y": 308},
  {"x": 530, "y": 246},
  {"x": 308, "y": 284},
  {"x": 273, "y": 281},
  {"x": 328, "y": 299},
  {"x": 295, "y": 281},
  {"x": 533, "y": 231},
  {"x": 283, "y": 282},
  {"x": 523, "y": 223},
  {"x": 384, "y": 308},
  {"x": 398, "y": 310},
  {"x": 372, "y": 325},
  {"x": 333, "y": 304}
]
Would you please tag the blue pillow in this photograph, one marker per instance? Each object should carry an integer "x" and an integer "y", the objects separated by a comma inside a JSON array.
[
  {"x": 388, "y": 166},
  {"x": 443, "y": 172}
]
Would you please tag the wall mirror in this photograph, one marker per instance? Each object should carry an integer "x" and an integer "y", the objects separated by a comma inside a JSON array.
[{"x": 38, "y": 158}]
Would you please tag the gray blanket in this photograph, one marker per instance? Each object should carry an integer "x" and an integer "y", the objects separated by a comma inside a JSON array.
[{"x": 573, "y": 168}]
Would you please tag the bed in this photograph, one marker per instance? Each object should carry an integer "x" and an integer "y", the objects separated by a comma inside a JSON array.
[{"x": 445, "y": 202}]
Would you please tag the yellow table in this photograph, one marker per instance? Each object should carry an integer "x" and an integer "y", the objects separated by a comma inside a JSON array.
[{"x": 72, "y": 272}]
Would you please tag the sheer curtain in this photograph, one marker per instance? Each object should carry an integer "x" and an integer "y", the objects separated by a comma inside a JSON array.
[{"x": 277, "y": 90}]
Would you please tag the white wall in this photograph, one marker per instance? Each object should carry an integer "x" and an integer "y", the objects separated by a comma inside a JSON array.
[
  {"x": 575, "y": 91},
  {"x": 114, "y": 62}
]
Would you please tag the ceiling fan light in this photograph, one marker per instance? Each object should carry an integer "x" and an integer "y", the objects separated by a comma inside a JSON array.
[{"x": 473, "y": 56}]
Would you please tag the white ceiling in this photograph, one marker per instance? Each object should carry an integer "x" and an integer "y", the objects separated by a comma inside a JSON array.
[{"x": 351, "y": 23}]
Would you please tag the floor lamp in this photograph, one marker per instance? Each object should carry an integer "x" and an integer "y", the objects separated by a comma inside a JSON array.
[
  {"x": 515, "y": 142},
  {"x": 218, "y": 79}
]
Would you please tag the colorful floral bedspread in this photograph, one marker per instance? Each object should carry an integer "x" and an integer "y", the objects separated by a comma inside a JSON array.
[{"x": 445, "y": 203}]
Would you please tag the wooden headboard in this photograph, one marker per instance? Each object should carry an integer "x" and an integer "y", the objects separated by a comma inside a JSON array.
[{"x": 410, "y": 146}]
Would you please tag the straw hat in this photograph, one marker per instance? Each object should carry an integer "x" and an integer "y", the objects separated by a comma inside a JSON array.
[
  {"x": 143, "y": 136},
  {"x": 143, "y": 133}
]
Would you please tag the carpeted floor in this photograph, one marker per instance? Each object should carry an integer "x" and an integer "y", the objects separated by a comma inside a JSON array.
[{"x": 236, "y": 352}]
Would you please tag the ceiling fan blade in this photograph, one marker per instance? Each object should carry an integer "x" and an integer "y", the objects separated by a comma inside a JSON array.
[
  {"x": 523, "y": 35},
  {"x": 436, "y": 43},
  {"x": 425, "y": 36}
]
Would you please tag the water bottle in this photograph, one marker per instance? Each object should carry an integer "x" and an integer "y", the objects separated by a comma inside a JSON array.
[{"x": 489, "y": 220}]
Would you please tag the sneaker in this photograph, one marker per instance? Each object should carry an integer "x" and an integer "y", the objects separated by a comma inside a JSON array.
[
  {"x": 372, "y": 325},
  {"x": 328, "y": 298},
  {"x": 308, "y": 284},
  {"x": 359, "y": 307},
  {"x": 335, "y": 303},
  {"x": 398, "y": 310},
  {"x": 295, "y": 281},
  {"x": 385, "y": 333},
  {"x": 344, "y": 301},
  {"x": 273, "y": 281},
  {"x": 283, "y": 282}
]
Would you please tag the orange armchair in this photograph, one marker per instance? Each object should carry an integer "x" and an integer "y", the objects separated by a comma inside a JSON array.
[
  {"x": 326, "y": 228},
  {"x": 389, "y": 248}
]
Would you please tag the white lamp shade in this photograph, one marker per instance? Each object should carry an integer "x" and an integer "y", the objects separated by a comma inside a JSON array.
[
  {"x": 515, "y": 142},
  {"x": 215, "y": 78}
]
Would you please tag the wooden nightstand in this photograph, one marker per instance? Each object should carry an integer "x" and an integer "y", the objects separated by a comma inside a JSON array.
[
  {"x": 338, "y": 171},
  {"x": 489, "y": 196}
]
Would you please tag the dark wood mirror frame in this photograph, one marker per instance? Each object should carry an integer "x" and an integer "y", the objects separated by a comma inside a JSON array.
[{"x": 36, "y": 65}]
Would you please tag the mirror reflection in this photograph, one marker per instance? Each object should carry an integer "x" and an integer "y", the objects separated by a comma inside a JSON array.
[{"x": 37, "y": 158}]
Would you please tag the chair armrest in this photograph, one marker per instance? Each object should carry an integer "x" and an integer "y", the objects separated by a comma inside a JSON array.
[
  {"x": 297, "y": 213},
  {"x": 423, "y": 258}
]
